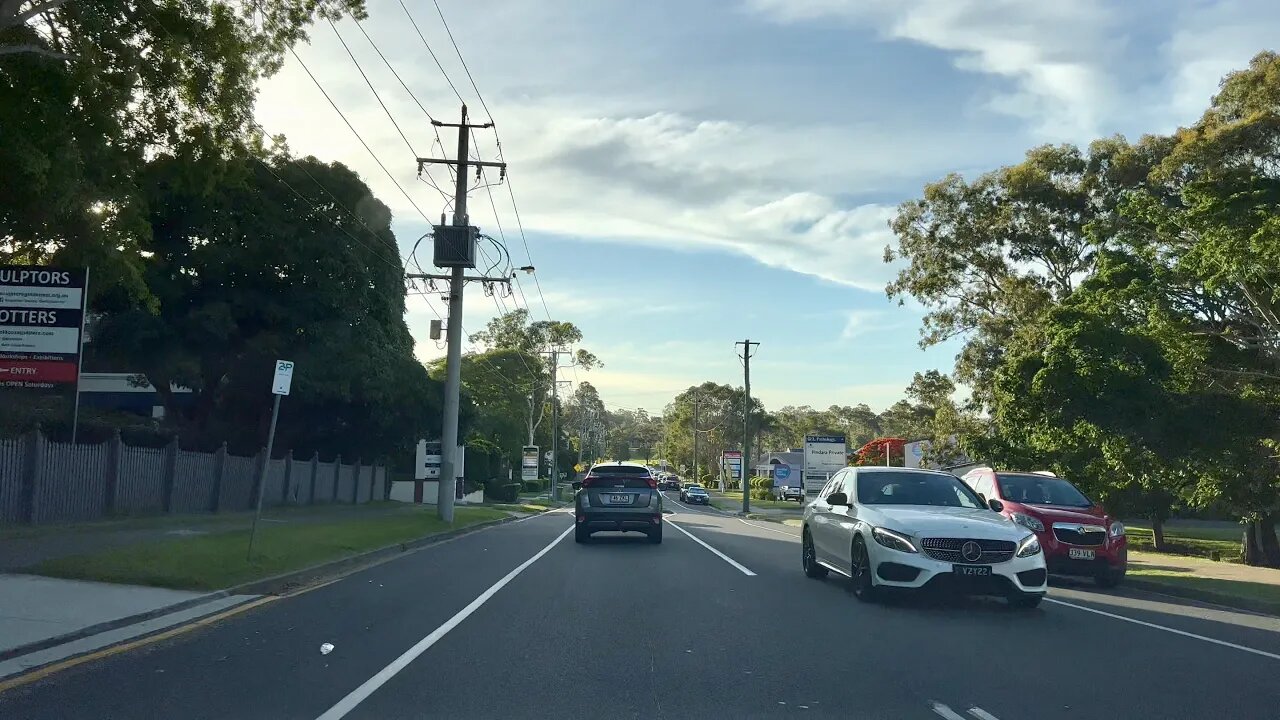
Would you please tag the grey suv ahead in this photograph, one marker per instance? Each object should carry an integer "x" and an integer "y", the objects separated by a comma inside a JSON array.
[{"x": 618, "y": 496}]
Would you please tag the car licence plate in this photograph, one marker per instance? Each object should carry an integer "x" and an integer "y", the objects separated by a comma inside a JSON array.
[
  {"x": 618, "y": 499},
  {"x": 972, "y": 570},
  {"x": 1079, "y": 554}
]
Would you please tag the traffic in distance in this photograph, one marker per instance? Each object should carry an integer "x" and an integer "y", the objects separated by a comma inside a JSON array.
[{"x": 888, "y": 529}]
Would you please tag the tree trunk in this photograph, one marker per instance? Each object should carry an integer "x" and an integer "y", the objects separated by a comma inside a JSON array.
[
  {"x": 1259, "y": 546},
  {"x": 1157, "y": 533}
]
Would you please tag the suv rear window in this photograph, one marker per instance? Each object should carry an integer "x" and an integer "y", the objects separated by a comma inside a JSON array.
[{"x": 619, "y": 476}]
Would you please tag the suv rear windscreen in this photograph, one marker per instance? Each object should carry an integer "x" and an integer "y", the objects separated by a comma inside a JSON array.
[{"x": 619, "y": 476}]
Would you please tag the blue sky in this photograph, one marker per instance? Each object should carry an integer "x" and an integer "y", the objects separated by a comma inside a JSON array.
[{"x": 693, "y": 172}]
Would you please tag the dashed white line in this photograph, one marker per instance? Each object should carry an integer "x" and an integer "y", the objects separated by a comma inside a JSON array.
[
  {"x": 368, "y": 687},
  {"x": 718, "y": 554},
  {"x": 946, "y": 712},
  {"x": 1175, "y": 631}
]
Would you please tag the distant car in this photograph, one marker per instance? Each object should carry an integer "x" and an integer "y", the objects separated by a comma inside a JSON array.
[
  {"x": 1079, "y": 537},
  {"x": 684, "y": 493},
  {"x": 907, "y": 528},
  {"x": 787, "y": 492},
  {"x": 697, "y": 496},
  {"x": 618, "y": 497},
  {"x": 672, "y": 482}
]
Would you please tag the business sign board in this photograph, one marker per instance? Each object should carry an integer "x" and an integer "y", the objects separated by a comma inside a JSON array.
[
  {"x": 823, "y": 456},
  {"x": 529, "y": 463},
  {"x": 41, "y": 325},
  {"x": 781, "y": 474},
  {"x": 922, "y": 454},
  {"x": 427, "y": 464},
  {"x": 731, "y": 461}
]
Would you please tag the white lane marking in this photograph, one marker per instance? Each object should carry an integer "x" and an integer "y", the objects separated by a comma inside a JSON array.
[
  {"x": 793, "y": 536},
  {"x": 946, "y": 712},
  {"x": 1175, "y": 631},
  {"x": 355, "y": 697},
  {"x": 719, "y": 554},
  {"x": 982, "y": 714}
]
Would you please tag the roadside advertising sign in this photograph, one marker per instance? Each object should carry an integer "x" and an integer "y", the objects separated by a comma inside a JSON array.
[
  {"x": 781, "y": 473},
  {"x": 41, "y": 325},
  {"x": 731, "y": 460},
  {"x": 823, "y": 455},
  {"x": 427, "y": 464},
  {"x": 529, "y": 463}
]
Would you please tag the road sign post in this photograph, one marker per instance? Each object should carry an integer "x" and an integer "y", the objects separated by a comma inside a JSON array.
[{"x": 279, "y": 388}]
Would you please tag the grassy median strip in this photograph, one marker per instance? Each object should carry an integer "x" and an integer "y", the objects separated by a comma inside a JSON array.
[
  {"x": 733, "y": 501},
  {"x": 217, "y": 560},
  {"x": 1265, "y": 593}
]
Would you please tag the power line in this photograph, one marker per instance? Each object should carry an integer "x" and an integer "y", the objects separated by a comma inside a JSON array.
[
  {"x": 465, "y": 69},
  {"x": 433, "y": 55},
  {"x": 355, "y": 132}
]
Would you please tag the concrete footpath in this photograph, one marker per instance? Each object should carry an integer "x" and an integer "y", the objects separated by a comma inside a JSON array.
[{"x": 47, "y": 619}]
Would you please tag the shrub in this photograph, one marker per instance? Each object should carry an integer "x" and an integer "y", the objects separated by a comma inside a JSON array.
[
  {"x": 758, "y": 494},
  {"x": 761, "y": 483},
  {"x": 501, "y": 491}
]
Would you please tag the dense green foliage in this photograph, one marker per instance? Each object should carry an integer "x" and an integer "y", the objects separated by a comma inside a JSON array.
[{"x": 1121, "y": 309}]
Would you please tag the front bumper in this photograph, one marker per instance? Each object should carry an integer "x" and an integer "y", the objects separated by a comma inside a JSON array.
[
  {"x": 1113, "y": 556},
  {"x": 893, "y": 568},
  {"x": 696, "y": 500}
]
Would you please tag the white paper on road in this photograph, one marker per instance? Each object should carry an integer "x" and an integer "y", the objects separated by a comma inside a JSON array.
[{"x": 326, "y": 648}]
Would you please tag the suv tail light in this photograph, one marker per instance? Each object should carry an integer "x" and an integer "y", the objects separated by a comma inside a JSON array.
[
  {"x": 586, "y": 481},
  {"x": 653, "y": 484}
]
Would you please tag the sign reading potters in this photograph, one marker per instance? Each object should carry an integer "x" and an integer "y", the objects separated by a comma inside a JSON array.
[{"x": 41, "y": 325}]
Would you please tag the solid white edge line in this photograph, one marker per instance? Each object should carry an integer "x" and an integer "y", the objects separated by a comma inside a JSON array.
[
  {"x": 945, "y": 711},
  {"x": 368, "y": 687},
  {"x": 982, "y": 714},
  {"x": 1175, "y": 631},
  {"x": 719, "y": 554}
]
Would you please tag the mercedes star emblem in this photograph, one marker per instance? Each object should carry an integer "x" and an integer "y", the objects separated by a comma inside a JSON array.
[{"x": 971, "y": 551}]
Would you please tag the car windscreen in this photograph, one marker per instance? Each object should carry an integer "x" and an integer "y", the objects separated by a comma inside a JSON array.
[
  {"x": 1040, "y": 490},
  {"x": 905, "y": 487},
  {"x": 619, "y": 476}
]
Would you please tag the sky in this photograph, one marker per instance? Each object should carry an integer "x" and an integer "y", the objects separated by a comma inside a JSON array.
[{"x": 692, "y": 173}]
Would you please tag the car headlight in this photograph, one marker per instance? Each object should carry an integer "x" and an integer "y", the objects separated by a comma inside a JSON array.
[
  {"x": 893, "y": 540},
  {"x": 1117, "y": 529},
  {"x": 1029, "y": 546},
  {"x": 1027, "y": 522}
]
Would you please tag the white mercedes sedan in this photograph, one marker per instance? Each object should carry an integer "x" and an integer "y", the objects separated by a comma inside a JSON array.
[{"x": 887, "y": 527}]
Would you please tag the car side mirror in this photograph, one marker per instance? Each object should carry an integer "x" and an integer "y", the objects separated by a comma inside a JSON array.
[
  {"x": 838, "y": 499},
  {"x": 576, "y": 485},
  {"x": 995, "y": 505}
]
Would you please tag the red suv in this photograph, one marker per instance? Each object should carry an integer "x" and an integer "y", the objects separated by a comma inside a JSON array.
[{"x": 1077, "y": 534}]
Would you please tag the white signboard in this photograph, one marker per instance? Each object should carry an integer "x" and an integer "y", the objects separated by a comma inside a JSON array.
[
  {"x": 284, "y": 378},
  {"x": 732, "y": 463},
  {"x": 914, "y": 452},
  {"x": 426, "y": 465},
  {"x": 823, "y": 456},
  {"x": 529, "y": 463}
]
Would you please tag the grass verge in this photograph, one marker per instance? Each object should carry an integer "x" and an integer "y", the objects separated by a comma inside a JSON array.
[
  {"x": 1177, "y": 543},
  {"x": 733, "y": 501},
  {"x": 215, "y": 561},
  {"x": 208, "y": 521},
  {"x": 1266, "y": 594}
]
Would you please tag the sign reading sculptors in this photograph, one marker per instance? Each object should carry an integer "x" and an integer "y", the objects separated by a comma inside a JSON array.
[{"x": 41, "y": 325}]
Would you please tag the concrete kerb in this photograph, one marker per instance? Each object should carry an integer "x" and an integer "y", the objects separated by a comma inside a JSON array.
[
  {"x": 275, "y": 585},
  {"x": 102, "y": 627}
]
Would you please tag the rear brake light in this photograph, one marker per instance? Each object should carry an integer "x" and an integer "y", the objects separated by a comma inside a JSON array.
[
  {"x": 586, "y": 481},
  {"x": 653, "y": 484}
]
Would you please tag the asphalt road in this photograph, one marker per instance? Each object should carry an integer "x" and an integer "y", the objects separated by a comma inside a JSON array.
[{"x": 519, "y": 621}]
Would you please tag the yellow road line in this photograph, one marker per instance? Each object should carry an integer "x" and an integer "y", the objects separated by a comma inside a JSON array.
[{"x": 58, "y": 667}]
